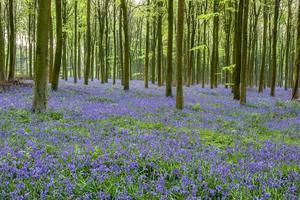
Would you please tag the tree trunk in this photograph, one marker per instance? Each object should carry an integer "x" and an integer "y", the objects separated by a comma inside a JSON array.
[
  {"x": 41, "y": 68},
  {"x": 264, "y": 51},
  {"x": 228, "y": 20},
  {"x": 244, "y": 54},
  {"x": 274, "y": 49},
  {"x": 180, "y": 27},
  {"x": 2, "y": 47},
  {"x": 146, "y": 73},
  {"x": 288, "y": 39},
  {"x": 88, "y": 46},
  {"x": 50, "y": 46},
  {"x": 169, "y": 77},
  {"x": 75, "y": 40},
  {"x": 154, "y": 41},
  {"x": 215, "y": 50},
  {"x": 58, "y": 51},
  {"x": 64, "y": 41},
  {"x": 238, "y": 51},
  {"x": 159, "y": 43},
  {"x": 295, "y": 94},
  {"x": 12, "y": 40},
  {"x": 115, "y": 46},
  {"x": 126, "y": 45},
  {"x": 121, "y": 48}
]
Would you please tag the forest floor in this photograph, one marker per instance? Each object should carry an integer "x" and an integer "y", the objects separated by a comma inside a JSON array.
[{"x": 99, "y": 142}]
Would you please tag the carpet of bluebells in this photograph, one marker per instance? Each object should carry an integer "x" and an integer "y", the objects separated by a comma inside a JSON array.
[{"x": 99, "y": 142}]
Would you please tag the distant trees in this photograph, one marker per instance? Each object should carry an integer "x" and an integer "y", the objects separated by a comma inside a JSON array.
[
  {"x": 41, "y": 64},
  {"x": 225, "y": 42}
]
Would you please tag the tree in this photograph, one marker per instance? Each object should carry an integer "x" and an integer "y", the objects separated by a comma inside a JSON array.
[
  {"x": 12, "y": 40},
  {"x": 215, "y": 50},
  {"x": 274, "y": 48},
  {"x": 179, "y": 42},
  {"x": 41, "y": 64},
  {"x": 58, "y": 50},
  {"x": 169, "y": 77},
  {"x": 146, "y": 76},
  {"x": 288, "y": 40},
  {"x": 159, "y": 43},
  {"x": 244, "y": 54},
  {"x": 264, "y": 49},
  {"x": 238, "y": 51},
  {"x": 295, "y": 94},
  {"x": 228, "y": 21},
  {"x": 75, "y": 39},
  {"x": 126, "y": 45},
  {"x": 2, "y": 47},
  {"x": 115, "y": 44},
  {"x": 88, "y": 45}
]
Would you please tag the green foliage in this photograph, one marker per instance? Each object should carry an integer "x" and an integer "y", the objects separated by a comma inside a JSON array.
[
  {"x": 100, "y": 99},
  {"x": 199, "y": 48},
  {"x": 197, "y": 107},
  {"x": 229, "y": 68}
]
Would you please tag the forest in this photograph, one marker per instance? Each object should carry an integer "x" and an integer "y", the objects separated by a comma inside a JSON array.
[{"x": 149, "y": 99}]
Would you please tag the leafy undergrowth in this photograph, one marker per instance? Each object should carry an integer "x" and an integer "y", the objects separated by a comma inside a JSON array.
[{"x": 98, "y": 142}]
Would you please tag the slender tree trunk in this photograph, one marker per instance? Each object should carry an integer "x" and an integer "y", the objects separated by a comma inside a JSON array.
[
  {"x": 41, "y": 68},
  {"x": 206, "y": 45},
  {"x": 154, "y": 41},
  {"x": 2, "y": 47},
  {"x": 50, "y": 46},
  {"x": 215, "y": 50},
  {"x": 288, "y": 39},
  {"x": 295, "y": 94},
  {"x": 88, "y": 47},
  {"x": 12, "y": 40},
  {"x": 58, "y": 51},
  {"x": 238, "y": 51},
  {"x": 30, "y": 16},
  {"x": 264, "y": 51},
  {"x": 180, "y": 27},
  {"x": 244, "y": 54},
  {"x": 79, "y": 56},
  {"x": 121, "y": 48},
  {"x": 75, "y": 40},
  {"x": 146, "y": 76},
  {"x": 115, "y": 46},
  {"x": 126, "y": 45},
  {"x": 228, "y": 20},
  {"x": 192, "y": 42},
  {"x": 274, "y": 49},
  {"x": 252, "y": 66},
  {"x": 170, "y": 50},
  {"x": 159, "y": 43},
  {"x": 64, "y": 41}
]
